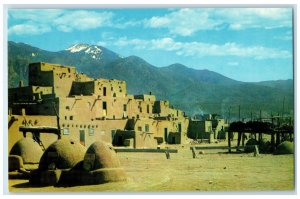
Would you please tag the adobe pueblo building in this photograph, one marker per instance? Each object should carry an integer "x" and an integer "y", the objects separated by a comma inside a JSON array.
[{"x": 60, "y": 103}]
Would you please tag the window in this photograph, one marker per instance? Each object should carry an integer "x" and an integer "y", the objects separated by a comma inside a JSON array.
[
  {"x": 71, "y": 117},
  {"x": 104, "y": 91},
  {"x": 147, "y": 127},
  {"x": 104, "y": 105},
  {"x": 91, "y": 131},
  {"x": 148, "y": 108},
  {"x": 139, "y": 128},
  {"x": 66, "y": 131},
  {"x": 82, "y": 137},
  {"x": 124, "y": 107},
  {"x": 112, "y": 88}
]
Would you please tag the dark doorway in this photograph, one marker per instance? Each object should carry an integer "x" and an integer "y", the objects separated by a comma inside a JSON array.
[
  {"x": 82, "y": 137},
  {"x": 104, "y": 91},
  {"x": 179, "y": 127},
  {"x": 120, "y": 140},
  {"x": 173, "y": 140},
  {"x": 166, "y": 134},
  {"x": 104, "y": 107}
]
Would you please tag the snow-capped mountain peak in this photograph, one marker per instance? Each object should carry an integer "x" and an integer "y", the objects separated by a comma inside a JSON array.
[
  {"x": 77, "y": 48},
  {"x": 93, "y": 50}
]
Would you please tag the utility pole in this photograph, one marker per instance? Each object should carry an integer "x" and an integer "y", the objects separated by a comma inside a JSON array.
[
  {"x": 239, "y": 112},
  {"x": 260, "y": 114},
  {"x": 283, "y": 106},
  {"x": 229, "y": 115}
]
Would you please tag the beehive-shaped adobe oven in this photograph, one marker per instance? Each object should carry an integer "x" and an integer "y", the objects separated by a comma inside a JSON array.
[
  {"x": 100, "y": 155},
  {"x": 58, "y": 159},
  {"x": 62, "y": 154},
  {"x": 28, "y": 149},
  {"x": 250, "y": 145},
  {"x": 100, "y": 165},
  {"x": 285, "y": 147}
]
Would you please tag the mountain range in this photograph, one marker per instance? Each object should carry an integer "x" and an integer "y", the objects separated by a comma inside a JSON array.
[{"x": 194, "y": 91}]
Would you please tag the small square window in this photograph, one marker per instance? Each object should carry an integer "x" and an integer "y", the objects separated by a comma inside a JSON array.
[
  {"x": 91, "y": 131},
  {"x": 147, "y": 127},
  {"x": 66, "y": 131}
]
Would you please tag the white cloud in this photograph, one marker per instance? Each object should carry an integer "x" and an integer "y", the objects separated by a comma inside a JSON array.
[
  {"x": 28, "y": 29},
  {"x": 38, "y": 15},
  {"x": 63, "y": 20},
  {"x": 82, "y": 20},
  {"x": 233, "y": 63},
  {"x": 200, "y": 49},
  {"x": 185, "y": 22},
  {"x": 125, "y": 23},
  {"x": 243, "y": 18}
]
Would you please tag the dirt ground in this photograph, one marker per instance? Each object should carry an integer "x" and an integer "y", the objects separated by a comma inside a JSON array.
[{"x": 213, "y": 171}]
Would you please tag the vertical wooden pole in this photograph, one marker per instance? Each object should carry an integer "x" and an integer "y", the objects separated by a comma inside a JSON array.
[
  {"x": 272, "y": 141},
  {"x": 259, "y": 137},
  {"x": 229, "y": 142},
  {"x": 239, "y": 113},
  {"x": 194, "y": 152},
  {"x": 277, "y": 138},
  {"x": 239, "y": 139}
]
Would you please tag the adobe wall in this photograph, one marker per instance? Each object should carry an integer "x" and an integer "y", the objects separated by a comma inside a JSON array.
[
  {"x": 14, "y": 135},
  {"x": 28, "y": 93},
  {"x": 110, "y": 88},
  {"x": 145, "y": 140},
  {"x": 140, "y": 109},
  {"x": 199, "y": 129},
  {"x": 57, "y": 76},
  {"x": 93, "y": 108},
  {"x": 162, "y": 108},
  {"x": 36, "y": 107}
]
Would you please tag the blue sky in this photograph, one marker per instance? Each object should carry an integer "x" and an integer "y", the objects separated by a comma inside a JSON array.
[{"x": 246, "y": 44}]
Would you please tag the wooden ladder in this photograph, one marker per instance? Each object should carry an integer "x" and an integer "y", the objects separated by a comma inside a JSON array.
[{"x": 38, "y": 140}]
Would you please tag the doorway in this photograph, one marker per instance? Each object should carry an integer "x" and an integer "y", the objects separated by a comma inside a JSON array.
[
  {"x": 166, "y": 134},
  {"x": 82, "y": 137}
]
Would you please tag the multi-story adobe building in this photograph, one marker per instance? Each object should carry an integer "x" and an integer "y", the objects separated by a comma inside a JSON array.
[
  {"x": 58, "y": 99},
  {"x": 210, "y": 127}
]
